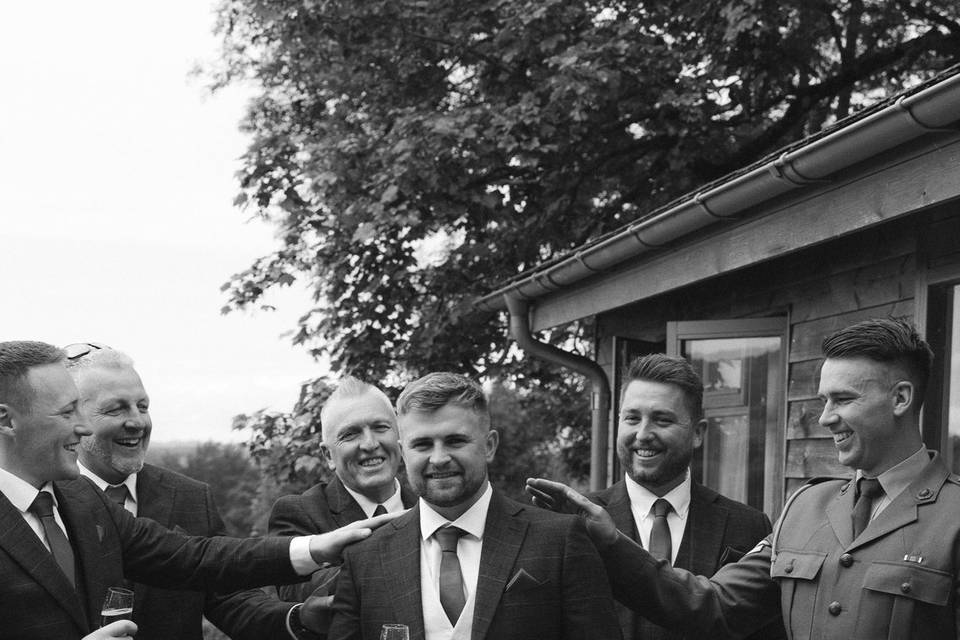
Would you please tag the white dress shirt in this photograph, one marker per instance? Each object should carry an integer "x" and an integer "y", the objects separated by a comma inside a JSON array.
[
  {"x": 21, "y": 494},
  {"x": 435, "y": 622},
  {"x": 641, "y": 505},
  {"x": 392, "y": 504},
  {"x": 130, "y": 504}
]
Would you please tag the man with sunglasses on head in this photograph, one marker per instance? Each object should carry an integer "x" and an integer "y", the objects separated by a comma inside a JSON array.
[{"x": 63, "y": 542}]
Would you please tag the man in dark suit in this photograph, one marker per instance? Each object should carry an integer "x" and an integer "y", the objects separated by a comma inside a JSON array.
[
  {"x": 361, "y": 446},
  {"x": 874, "y": 557},
  {"x": 661, "y": 424},
  {"x": 63, "y": 543},
  {"x": 117, "y": 407},
  {"x": 467, "y": 562}
]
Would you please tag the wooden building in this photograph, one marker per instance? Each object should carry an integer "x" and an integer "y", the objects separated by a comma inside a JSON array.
[{"x": 747, "y": 275}]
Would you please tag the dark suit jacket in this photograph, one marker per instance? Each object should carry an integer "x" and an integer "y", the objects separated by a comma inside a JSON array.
[
  {"x": 185, "y": 505},
  {"x": 718, "y": 531},
  {"x": 38, "y": 603},
  {"x": 564, "y": 592},
  {"x": 321, "y": 508}
]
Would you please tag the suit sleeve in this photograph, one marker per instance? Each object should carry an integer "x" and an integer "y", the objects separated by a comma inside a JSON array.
[
  {"x": 154, "y": 555},
  {"x": 346, "y": 605},
  {"x": 288, "y": 518},
  {"x": 587, "y": 602},
  {"x": 739, "y": 599},
  {"x": 253, "y": 614}
]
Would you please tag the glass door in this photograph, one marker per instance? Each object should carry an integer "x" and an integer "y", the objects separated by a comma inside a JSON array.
[{"x": 741, "y": 363}]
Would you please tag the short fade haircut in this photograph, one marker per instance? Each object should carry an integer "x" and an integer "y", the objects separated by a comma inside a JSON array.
[
  {"x": 659, "y": 367},
  {"x": 436, "y": 390},
  {"x": 886, "y": 340},
  {"x": 16, "y": 360},
  {"x": 349, "y": 387}
]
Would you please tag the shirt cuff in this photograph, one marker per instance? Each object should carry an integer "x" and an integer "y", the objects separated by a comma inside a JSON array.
[{"x": 300, "y": 557}]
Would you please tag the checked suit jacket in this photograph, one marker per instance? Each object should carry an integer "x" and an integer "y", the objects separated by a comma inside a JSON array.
[
  {"x": 321, "y": 508},
  {"x": 562, "y": 593},
  {"x": 718, "y": 531},
  {"x": 37, "y": 602},
  {"x": 187, "y": 506}
]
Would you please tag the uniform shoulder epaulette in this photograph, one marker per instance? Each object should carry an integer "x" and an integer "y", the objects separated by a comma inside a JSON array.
[
  {"x": 954, "y": 478},
  {"x": 812, "y": 482}
]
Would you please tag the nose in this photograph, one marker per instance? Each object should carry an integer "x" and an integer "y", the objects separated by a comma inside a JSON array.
[
  {"x": 828, "y": 416},
  {"x": 81, "y": 428},
  {"x": 367, "y": 441},
  {"x": 644, "y": 429},
  {"x": 439, "y": 456}
]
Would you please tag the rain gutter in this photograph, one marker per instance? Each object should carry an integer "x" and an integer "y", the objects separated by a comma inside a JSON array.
[{"x": 600, "y": 387}]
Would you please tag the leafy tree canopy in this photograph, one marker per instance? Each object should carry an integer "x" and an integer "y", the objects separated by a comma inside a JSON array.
[{"x": 414, "y": 154}]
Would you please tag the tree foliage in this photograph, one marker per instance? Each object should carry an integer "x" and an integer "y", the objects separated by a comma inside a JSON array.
[{"x": 414, "y": 154}]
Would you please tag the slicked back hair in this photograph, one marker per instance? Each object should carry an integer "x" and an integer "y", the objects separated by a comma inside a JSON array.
[
  {"x": 349, "y": 387},
  {"x": 886, "y": 340},
  {"x": 16, "y": 360},
  {"x": 659, "y": 367},
  {"x": 436, "y": 390}
]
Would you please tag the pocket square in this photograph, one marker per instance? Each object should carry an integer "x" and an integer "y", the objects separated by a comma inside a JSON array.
[
  {"x": 731, "y": 555},
  {"x": 99, "y": 533},
  {"x": 521, "y": 581}
]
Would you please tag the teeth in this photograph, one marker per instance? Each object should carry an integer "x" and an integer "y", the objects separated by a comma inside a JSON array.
[
  {"x": 842, "y": 436},
  {"x": 646, "y": 453},
  {"x": 128, "y": 442},
  {"x": 371, "y": 462}
]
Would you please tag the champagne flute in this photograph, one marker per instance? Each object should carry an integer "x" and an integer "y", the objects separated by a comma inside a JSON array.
[
  {"x": 118, "y": 605},
  {"x": 394, "y": 632}
]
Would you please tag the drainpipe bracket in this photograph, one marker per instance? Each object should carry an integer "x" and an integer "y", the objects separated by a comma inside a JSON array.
[
  {"x": 911, "y": 116},
  {"x": 783, "y": 169}
]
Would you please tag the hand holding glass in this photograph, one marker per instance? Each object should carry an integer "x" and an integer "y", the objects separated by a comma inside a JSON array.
[
  {"x": 118, "y": 605},
  {"x": 394, "y": 632}
]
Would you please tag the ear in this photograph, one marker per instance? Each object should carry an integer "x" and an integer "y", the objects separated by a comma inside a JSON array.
[
  {"x": 902, "y": 396},
  {"x": 699, "y": 428},
  {"x": 6, "y": 420},
  {"x": 325, "y": 452},
  {"x": 492, "y": 441}
]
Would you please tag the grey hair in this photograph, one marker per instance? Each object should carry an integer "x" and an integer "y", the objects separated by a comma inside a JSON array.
[{"x": 349, "y": 387}]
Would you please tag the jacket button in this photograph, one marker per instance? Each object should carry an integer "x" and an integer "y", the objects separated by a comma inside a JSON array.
[
  {"x": 924, "y": 494},
  {"x": 789, "y": 567},
  {"x": 834, "y": 608},
  {"x": 905, "y": 587},
  {"x": 846, "y": 560}
]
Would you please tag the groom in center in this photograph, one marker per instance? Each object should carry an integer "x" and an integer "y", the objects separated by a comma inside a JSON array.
[{"x": 468, "y": 563}]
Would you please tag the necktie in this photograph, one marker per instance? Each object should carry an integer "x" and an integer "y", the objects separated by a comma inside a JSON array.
[
  {"x": 117, "y": 494},
  {"x": 452, "y": 598},
  {"x": 42, "y": 507},
  {"x": 379, "y": 511},
  {"x": 869, "y": 489},
  {"x": 661, "y": 545}
]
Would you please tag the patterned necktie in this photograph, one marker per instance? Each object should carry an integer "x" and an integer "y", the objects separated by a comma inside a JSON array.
[
  {"x": 452, "y": 598},
  {"x": 869, "y": 489},
  {"x": 117, "y": 494},
  {"x": 42, "y": 507},
  {"x": 379, "y": 511},
  {"x": 661, "y": 545}
]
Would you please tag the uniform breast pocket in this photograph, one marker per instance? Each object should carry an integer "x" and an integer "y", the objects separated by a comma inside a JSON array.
[
  {"x": 796, "y": 572},
  {"x": 897, "y": 596}
]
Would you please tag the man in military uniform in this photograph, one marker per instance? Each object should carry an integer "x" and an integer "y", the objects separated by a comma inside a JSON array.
[{"x": 876, "y": 557}]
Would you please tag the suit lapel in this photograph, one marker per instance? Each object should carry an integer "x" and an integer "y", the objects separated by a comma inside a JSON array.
[
  {"x": 703, "y": 534},
  {"x": 838, "y": 515},
  {"x": 76, "y": 511},
  {"x": 155, "y": 500},
  {"x": 343, "y": 508},
  {"x": 618, "y": 506},
  {"x": 502, "y": 536},
  {"x": 400, "y": 555}
]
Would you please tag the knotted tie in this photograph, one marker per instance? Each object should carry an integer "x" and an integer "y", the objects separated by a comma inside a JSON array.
[
  {"x": 117, "y": 494},
  {"x": 869, "y": 489},
  {"x": 452, "y": 598},
  {"x": 379, "y": 511},
  {"x": 42, "y": 507},
  {"x": 661, "y": 545}
]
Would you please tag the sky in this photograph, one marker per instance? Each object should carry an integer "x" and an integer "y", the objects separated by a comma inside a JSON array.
[{"x": 116, "y": 217}]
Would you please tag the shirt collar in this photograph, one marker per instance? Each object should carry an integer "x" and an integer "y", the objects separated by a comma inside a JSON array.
[
  {"x": 472, "y": 520},
  {"x": 130, "y": 481},
  {"x": 391, "y": 504},
  {"x": 901, "y": 475},
  {"x": 642, "y": 499},
  {"x": 21, "y": 493}
]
